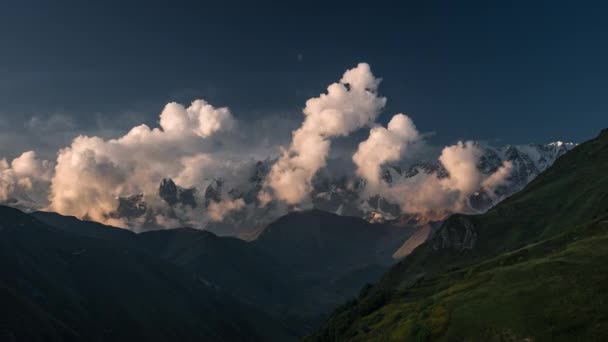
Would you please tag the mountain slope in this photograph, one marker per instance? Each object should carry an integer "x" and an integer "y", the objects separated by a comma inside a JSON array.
[
  {"x": 233, "y": 265},
  {"x": 60, "y": 286},
  {"x": 299, "y": 269},
  {"x": 91, "y": 229},
  {"x": 331, "y": 256},
  {"x": 312, "y": 238},
  {"x": 533, "y": 267}
]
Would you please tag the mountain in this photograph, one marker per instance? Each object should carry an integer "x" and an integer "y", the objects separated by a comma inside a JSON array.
[
  {"x": 228, "y": 263},
  {"x": 532, "y": 268},
  {"x": 300, "y": 267},
  {"x": 58, "y": 286},
  {"x": 90, "y": 229},
  {"x": 338, "y": 192},
  {"x": 331, "y": 256},
  {"x": 81, "y": 280},
  {"x": 312, "y": 238}
]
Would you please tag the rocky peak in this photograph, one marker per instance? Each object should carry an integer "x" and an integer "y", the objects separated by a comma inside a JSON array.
[
  {"x": 168, "y": 191},
  {"x": 260, "y": 171},
  {"x": 131, "y": 206},
  {"x": 213, "y": 193},
  {"x": 174, "y": 194},
  {"x": 489, "y": 162}
]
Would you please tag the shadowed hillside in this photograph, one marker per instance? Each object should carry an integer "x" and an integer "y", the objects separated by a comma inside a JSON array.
[
  {"x": 57, "y": 286},
  {"x": 301, "y": 267}
]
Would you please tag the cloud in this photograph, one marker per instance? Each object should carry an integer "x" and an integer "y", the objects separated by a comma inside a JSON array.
[
  {"x": 25, "y": 176},
  {"x": 498, "y": 178},
  {"x": 384, "y": 145},
  {"x": 92, "y": 172},
  {"x": 201, "y": 146},
  {"x": 200, "y": 118},
  {"x": 460, "y": 161},
  {"x": 218, "y": 210},
  {"x": 51, "y": 123},
  {"x": 435, "y": 196},
  {"x": 348, "y": 105}
]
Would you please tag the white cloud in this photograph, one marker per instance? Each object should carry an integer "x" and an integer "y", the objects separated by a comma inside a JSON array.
[
  {"x": 200, "y": 118},
  {"x": 92, "y": 172},
  {"x": 434, "y": 196},
  {"x": 348, "y": 105},
  {"x": 26, "y": 176},
  {"x": 192, "y": 146},
  {"x": 384, "y": 145}
]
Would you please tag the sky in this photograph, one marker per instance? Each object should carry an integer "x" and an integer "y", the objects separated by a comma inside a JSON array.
[{"x": 502, "y": 72}]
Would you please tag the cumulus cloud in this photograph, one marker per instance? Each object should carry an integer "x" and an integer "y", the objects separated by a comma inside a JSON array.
[
  {"x": 200, "y": 118},
  {"x": 93, "y": 175},
  {"x": 25, "y": 176},
  {"x": 425, "y": 193},
  {"x": 348, "y": 105},
  {"x": 460, "y": 161},
  {"x": 384, "y": 145},
  {"x": 92, "y": 172},
  {"x": 437, "y": 196}
]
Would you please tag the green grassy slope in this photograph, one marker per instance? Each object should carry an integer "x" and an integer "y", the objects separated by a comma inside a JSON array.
[{"x": 534, "y": 267}]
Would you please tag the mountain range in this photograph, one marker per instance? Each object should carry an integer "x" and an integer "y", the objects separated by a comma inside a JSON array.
[
  {"x": 532, "y": 268},
  {"x": 338, "y": 192},
  {"x": 82, "y": 280}
]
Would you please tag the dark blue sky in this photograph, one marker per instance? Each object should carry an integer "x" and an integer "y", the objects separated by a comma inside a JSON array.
[{"x": 508, "y": 71}]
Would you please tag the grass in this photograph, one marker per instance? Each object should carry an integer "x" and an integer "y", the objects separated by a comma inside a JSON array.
[
  {"x": 552, "y": 292},
  {"x": 538, "y": 271}
]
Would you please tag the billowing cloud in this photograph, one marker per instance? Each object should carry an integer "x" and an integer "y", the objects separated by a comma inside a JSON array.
[
  {"x": 200, "y": 118},
  {"x": 384, "y": 145},
  {"x": 460, "y": 161},
  {"x": 26, "y": 176},
  {"x": 92, "y": 172},
  {"x": 214, "y": 172},
  {"x": 435, "y": 196},
  {"x": 348, "y": 105}
]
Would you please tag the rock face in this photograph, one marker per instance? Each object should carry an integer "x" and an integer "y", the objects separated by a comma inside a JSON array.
[
  {"x": 457, "y": 233},
  {"x": 131, "y": 207},
  {"x": 173, "y": 194},
  {"x": 213, "y": 193},
  {"x": 168, "y": 191}
]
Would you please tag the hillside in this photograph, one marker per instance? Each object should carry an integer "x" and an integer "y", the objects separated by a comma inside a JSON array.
[
  {"x": 299, "y": 269},
  {"x": 231, "y": 264},
  {"x": 57, "y": 286},
  {"x": 533, "y": 267},
  {"x": 331, "y": 256}
]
